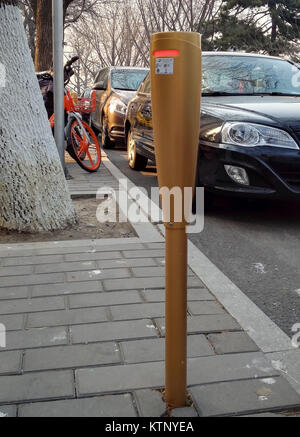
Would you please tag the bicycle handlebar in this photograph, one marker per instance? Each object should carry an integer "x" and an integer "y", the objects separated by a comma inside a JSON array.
[
  {"x": 71, "y": 61},
  {"x": 68, "y": 69}
]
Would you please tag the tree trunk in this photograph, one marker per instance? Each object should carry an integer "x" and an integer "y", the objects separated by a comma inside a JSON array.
[
  {"x": 44, "y": 46},
  {"x": 33, "y": 191},
  {"x": 274, "y": 17}
]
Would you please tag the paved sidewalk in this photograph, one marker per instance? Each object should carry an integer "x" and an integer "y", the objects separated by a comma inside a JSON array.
[
  {"x": 84, "y": 183},
  {"x": 85, "y": 337}
]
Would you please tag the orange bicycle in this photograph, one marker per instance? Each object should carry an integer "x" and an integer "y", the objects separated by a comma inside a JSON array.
[{"x": 82, "y": 143}]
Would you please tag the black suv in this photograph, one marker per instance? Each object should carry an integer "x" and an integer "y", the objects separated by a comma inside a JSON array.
[{"x": 249, "y": 140}]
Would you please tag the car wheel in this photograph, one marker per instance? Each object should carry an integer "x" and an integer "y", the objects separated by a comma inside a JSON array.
[
  {"x": 105, "y": 140},
  {"x": 91, "y": 124},
  {"x": 209, "y": 198},
  {"x": 135, "y": 160}
]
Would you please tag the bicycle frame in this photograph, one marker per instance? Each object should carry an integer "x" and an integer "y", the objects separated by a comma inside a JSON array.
[
  {"x": 70, "y": 109},
  {"x": 78, "y": 134}
]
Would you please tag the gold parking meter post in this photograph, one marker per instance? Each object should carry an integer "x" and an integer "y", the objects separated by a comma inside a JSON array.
[{"x": 176, "y": 94}]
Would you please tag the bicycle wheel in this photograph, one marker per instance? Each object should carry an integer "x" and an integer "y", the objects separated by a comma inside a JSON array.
[{"x": 85, "y": 146}]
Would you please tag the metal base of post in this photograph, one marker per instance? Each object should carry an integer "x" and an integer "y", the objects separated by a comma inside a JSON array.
[{"x": 176, "y": 317}]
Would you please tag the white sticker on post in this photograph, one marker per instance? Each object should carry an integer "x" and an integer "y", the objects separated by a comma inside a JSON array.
[{"x": 164, "y": 66}]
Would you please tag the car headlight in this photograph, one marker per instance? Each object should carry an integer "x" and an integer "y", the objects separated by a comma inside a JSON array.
[
  {"x": 116, "y": 105},
  {"x": 254, "y": 135}
]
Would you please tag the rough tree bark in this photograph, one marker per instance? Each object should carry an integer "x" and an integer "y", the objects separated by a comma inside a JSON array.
[
  {"x": 33, "y": 192},
  {"x": 44, "y": 45},
  {"x": 43, "y": 42}
]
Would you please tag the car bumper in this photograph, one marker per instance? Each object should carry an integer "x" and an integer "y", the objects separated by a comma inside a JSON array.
[
  {"x": 116, "y": 126},
  {"x": 272, "y": 172}
]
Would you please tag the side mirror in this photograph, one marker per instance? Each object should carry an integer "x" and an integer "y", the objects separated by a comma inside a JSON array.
[{"x": 99, "y": 85}]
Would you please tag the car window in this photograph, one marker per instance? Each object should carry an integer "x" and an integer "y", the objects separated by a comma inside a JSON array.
[
  {"x": 146, "y": 85},
  {"x": 102, "y": 76},
  {"x": 147, "y": 88},
  {"x": 127, "y": 79},
  {"x": 98, "y": 77},
  {"x": 249, "y": 75}
]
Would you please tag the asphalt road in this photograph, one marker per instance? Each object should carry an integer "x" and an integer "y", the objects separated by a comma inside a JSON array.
[{"x": 257, "y": 245}]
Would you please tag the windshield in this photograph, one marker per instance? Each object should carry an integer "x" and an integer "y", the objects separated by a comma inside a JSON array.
[
  {"x": 127, "y": 79},
  {"x": 224, "y": 74}
]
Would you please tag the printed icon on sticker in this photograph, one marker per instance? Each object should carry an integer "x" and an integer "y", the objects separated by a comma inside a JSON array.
[{"x": 164, "y": 66}]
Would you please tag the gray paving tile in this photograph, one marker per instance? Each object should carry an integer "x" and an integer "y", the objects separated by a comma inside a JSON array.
[
  {"x": 232, "y": 367},
  {"x": 155, "y": 245},
  {"x": 230, "y": 342},
  {"x": 105, "y": 299},
  {"x": 16, "y": 271},
  {"x": 11, "y": 281},
  {"x": 149, "y": 403},
  {"x": 17, "y": 306},
  {"x": 138, "y": 351},
  {"x": 14, "y": 293},
  {"x": 104, "y": 406},
  {"x": 81, "y": 249},
  {"x": 137, "y": 311},
  {"x": 64, "y": 250},
  {"x": 66, "y": 317},
  {"x": 62, "y": 357},
  {"x": 126, "y": 262},
  {"x": 66, "y": 288},
  {"x": 36, "y": 386},
  {"x": 8, "y": 411},
  {"x": 33, "y": 338},
  {"x": 144, "y": 272},
  {"x": 10, "y": 362},
  {"x": 119, "y": 378},
  {"x": 120, "y": 246},
  {"x": 14, "y": 322},
  {"x": 197, "y": 294},
  {"x": 7, "y": 253},
  {"x": 199, "y": 308},
  {"x": 113, "y": 331},
  {"x": 94, "y": 256},
  {"x": 184, "y": 412},
  {"x": 201, "y": 370},
  {"x": 244, "y": 396},
  {"x": 32, "y": 260},
  {"x": 142, "y": 283},
  {"x": 145, "y": 253},
  {"x": 205, "y": 324},
  {"x": 98, "y": 274},
  {"x": 65, "y": 267}
]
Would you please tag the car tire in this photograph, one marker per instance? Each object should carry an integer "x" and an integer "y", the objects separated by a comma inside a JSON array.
[
  {"x": 135, "y": 160},
  {"x": 105, "y": 140},
  {"x": 97, "y": 131},
  {"x": 209, "y": 198}
]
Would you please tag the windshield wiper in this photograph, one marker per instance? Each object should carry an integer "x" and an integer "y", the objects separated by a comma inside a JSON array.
[
  {"x": 274, "y": 93},
  {"x": 220, "y": 93}
]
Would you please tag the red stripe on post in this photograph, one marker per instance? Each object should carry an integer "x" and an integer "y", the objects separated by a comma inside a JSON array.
[{"x": 165, "y": 53}]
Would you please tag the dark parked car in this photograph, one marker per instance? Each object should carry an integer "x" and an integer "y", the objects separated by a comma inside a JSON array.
[
  {"x": 250, "y": 126},
  {"x": 114, "y": 86}
]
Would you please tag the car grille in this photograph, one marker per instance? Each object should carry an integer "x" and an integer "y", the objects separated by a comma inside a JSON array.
[{"x": 291, "y": 178}]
